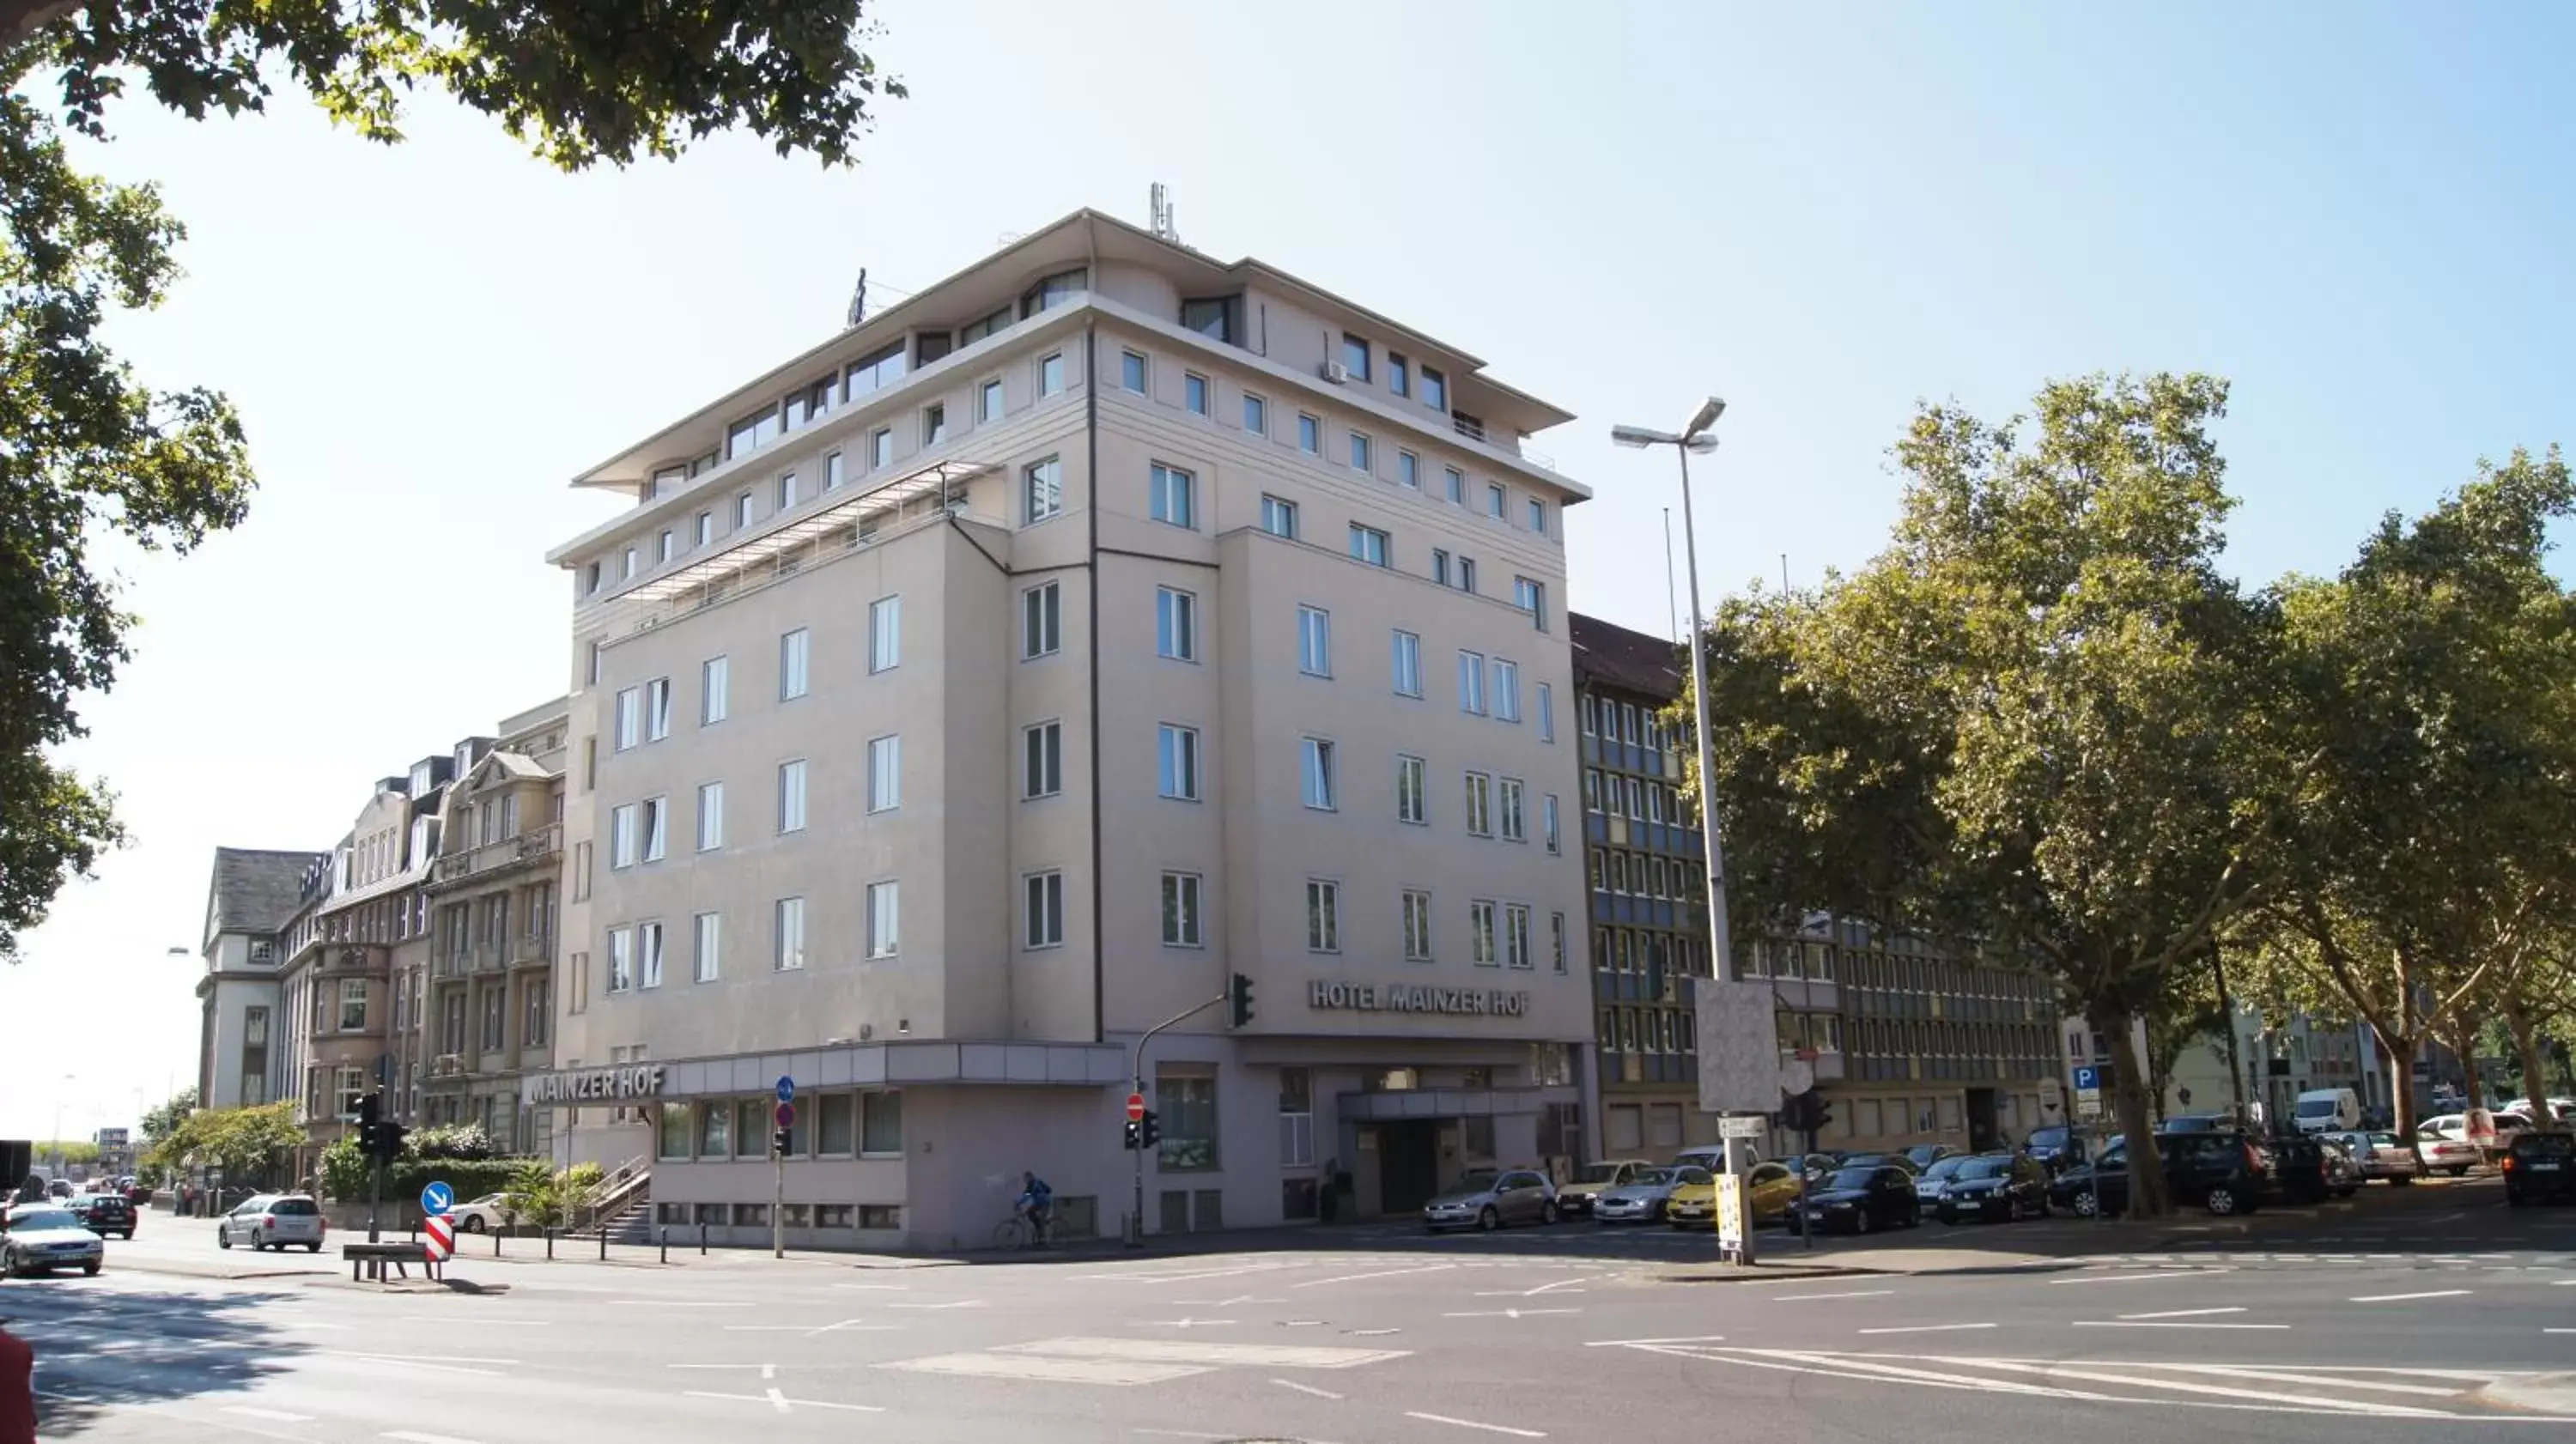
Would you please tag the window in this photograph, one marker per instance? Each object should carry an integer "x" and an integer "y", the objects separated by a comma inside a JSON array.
[
  {"x": 648, "y": 954},
  {"x": 1467, "y": 574},
  {"x": 881, "y": 448},
  {"x": 1361, "y": 454},
  {"x": 1439, "y": 566},
  {"x": 1531, "y": 597},
  {"x": 794, "y": 649},
  {"x": 1323, "y": 916},
  {"x": 1181, "y": 910},
  {"x": 988, "y": 401},
  {"x": 714, "y": 680},
  {"x": 1310, "y": 435},
  {"x": 874, "y": 371},
  {"x": 1399, "y": 375},
  {"x": 630, "y": 717},
  {"x": 1547, "y": 823},
  {"x": 1355, "y": 356},
  {"x": 791, "y": 796},
  {"x": 1556, "y": 939},
  {"x": 1278, "y": 517},
  {"x": 1051, "y": 375},
  {"x": 1369, "y": 545},
  {"x": 885, "y": 919},
  {"x": 1042, "y": 909},
  {"x": 626, "y": 565},
  {"x": 591, "y": 585},
  {"x": 353, "y": 1005},
  {"x": 657, "y": 709},
  {"x": 1591, "y": 715},
  {"x": 881, "y": 1131},
  {"x": 1471, "y": 682},
  {"x": 1480, "y": 804},
  {"x": 656, "y": 827},
  {"x": 1041, "y": 490},
  {"x": 1256, "y": 415},
  {"x": 1179, "y": 762},
  {"x": 1320, "y": 788},
  {"x": 1412, "y": 803},
  {"x": 1509, "y": 793},
  {"x": 1546, "y": 713},
  {"x": 1185, "y": 1105},
  {"x": 1408, "y": 664},
  {"x": 934, "y": 430},
  {"x": 1176, "y": 624},
  {"x": 1454, "y": 484},
  {"x": 1042, "y": 771},
  {"x": 885, "y": 773},
  {"x": 1131, "y": 372},
  {"x": 1041, "y": 621},
  {"x": 621, "y": 835},
  {"x": 1297, "y": 1128},
  {"x": 1408, "y": 469},
  {"x": 1435, "y": 390},
  {"x": 1494, "y": 499},
  {"x": 1507, "y": 690},
  {"x": 541, "y": 1007},
  {"x": 662, "y": 546},
  {"x": 1194, "y": 392},
  {"x": 1314, "y": 641},
  {"x": 706, "y": 957},
  {"x": 1055, "y": 290},
  {"x": 1417, "y": 926},
  {"x": 621, "y": 962},
  {"x": 1537, "y": 516},
  {"x": 1212, "y": 317},
  {"x": 1516, "y": 936},
  {"x": 786, "y": 493},
  {"x": 1175, "y": 496},
  {"x": 788, "y": 933},
  {"x": 1480, "y": 926},
  {"x": 706, "y": 530}
]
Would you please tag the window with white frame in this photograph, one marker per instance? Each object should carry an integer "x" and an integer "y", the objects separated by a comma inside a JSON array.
[
  {"x": 1516, "y": 935},
  {"x": 621, "y": 960},
  {"x": 1547, "y": 823},
  {"x": 1467, "y": 575},
  {"x": 1507, "y": 793},
  {"x": 1370, "y": 545},
  {"x": 663, "y": 546},
  {"x": 1320, "y": 780},
  {"x": 1314, "y": 641},
  {"x": 885, "y": 919},
  {"x": 706, "y": 532},
  {"x": 1041, "y": 621},
  {"x": 1355, "y": 356},
  {"x": 1256, "y": 415},
  {"x": 885, "y": 773},
  {"x": 1412, "y": 787},
  {"x": 1051, "y": 375},
  {"x": 1042, "y": 764},
  {"x": 1174, "y": 497},
  {"x": 1538, "y": 516},
  {"x": 706, "y": 949},
  {"x": 1546, "y": 713},
  {"x": 1310, "y": 434},
  {"x": 786, "y": 491},
  {"x": 1408, "y": 664},
  {"x": 741, "y": 510},
  {"x": 1042, "y": 909},
  {"x": 715, "y": 683},
  {"x": 1323, "y": 916},
  {"x": 1453, "y": 485},
  {"x": 648, "y": 954},
  {"x": 1471, "y": 682},
  {"x": 1408, "y": 469},
  {"x": 1531, "y": 597},
  {"x": 1279, "y": 517},
  {"x": 1507, "y": 690},
  {"x": 1480, "y": 804},
  {"x": 1181, "y": 927},
  {"x": 656, "y": 826},
  {"x": 630, "y": 717},
  {"x": 1179, "y": 762},
  {"x": 1481, "y": 928},
  {"x": 787, "y": 933},
  {"x": 1194, "y": 392},
  {"x": 1362, "y": 454},
  {"x": 1176, "y": 624},
  {"x": 988, "y": 400},
  {"x": 794, "y": 652},
  {"x": 1041, "y": 490},
  {"x": 1417, "y": 926},
  {"x": 621, "y": 835},
  {"x": 791, "y": 796},
  {"x": 1131, "y": 371},
  {"x": 1494, "y": 499},
  {"x": 836, "y": 470},
  {"x": 885, "y": 633}
]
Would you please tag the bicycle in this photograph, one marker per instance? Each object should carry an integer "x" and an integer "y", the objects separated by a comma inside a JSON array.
[{"x": 1018, "y": 1232}]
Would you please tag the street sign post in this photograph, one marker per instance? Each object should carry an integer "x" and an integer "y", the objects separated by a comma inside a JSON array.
[
  {"x": 2088, "y": 1091},
  {"x": 1739, "y": 1125},
  {"x": 437, "y": 1198},
  {"x": 786, "y": 1116},
  {"x": 435, "y": 1225},
  {"x": 1135, "y": 1107}
]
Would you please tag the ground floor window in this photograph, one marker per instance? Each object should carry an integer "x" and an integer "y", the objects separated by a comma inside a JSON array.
[
  {"x": 674, "y": 1146},
  {"x": 831, "y": 1215},
  {"x": 881, "y": 1123},
  {"x": 880, "y": 1215},
  {"x": 1185, "y": 1106}
]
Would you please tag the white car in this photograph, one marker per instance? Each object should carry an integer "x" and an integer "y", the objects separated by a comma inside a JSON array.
[
  {"x": 39, "y": 1238},
  {"x": 482, "y": 1215},
  {"x": 2453, "y": 1155},
  {"x": 273, "y": 1220}
]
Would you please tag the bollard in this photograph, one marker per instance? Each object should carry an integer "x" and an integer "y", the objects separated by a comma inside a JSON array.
[
  {"x": 603, "y": 1243},
  {"x": 702, "y": 1240},
  {"x": 496, "y": 1243},
  {"x": 550, "y": 1243},
  {"x": 666, "y": 1245}
]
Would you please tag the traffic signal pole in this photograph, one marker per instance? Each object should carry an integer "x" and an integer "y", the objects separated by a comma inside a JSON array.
[{"x": 1136, "y": 1078}]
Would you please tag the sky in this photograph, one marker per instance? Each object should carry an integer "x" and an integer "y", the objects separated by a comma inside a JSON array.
[{"x": 2360, "y": 214}]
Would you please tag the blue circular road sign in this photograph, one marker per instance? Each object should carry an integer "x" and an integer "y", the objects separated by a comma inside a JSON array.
[
  {"x": 437, "y": 1198},
  {"x": 786, "y": 1089}
]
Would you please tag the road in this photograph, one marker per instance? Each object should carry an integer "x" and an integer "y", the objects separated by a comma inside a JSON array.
[{"x": 2399, "y": 1316}]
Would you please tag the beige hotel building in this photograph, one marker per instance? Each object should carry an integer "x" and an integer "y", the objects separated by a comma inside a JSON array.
[{"x": 995, "y": 681}]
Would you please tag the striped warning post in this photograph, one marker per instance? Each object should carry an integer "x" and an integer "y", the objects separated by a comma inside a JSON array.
[{"x": 439, "y": 1232}]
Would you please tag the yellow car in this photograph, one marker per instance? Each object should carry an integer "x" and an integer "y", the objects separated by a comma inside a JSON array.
[{"x": 1775, "y": 1192}]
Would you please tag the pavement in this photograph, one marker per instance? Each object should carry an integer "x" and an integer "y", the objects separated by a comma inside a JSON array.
[{"x": 2424, "y": 1314}]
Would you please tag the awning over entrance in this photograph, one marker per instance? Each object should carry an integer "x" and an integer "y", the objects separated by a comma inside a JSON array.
[{"x": 1395, "y": 1105}]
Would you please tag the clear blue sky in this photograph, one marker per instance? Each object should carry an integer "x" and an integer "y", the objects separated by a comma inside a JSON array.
[{"x": 2359, "y": 213}]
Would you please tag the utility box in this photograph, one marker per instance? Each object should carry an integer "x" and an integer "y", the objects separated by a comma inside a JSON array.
[{"x": 17, "y": 1159}]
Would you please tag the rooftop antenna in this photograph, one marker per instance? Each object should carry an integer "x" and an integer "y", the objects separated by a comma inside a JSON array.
[
  {"x": 1161, "y": 203},
  {"x": 859, "y": 298}
]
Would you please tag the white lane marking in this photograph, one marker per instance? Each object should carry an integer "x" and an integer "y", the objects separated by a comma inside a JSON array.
[
  {"x": 1371, "y": 1333},
  {"x": 1379, "y": 1274},
  {"x": 2562, "y": 1283},
  {"x": 1811, "y": 1298},
  {"x": 2558, "y": 1331},
  {"x": 1926, "y": 1328},
  {"x": 1306, "y": 1389},
  {"x": 2304, "y": 1401},
  {"x": 853, "y": 1326},
  {"x": 1049, "y": 1370},
  {"x": 2152, "y": 1274},
  {"x": 1185, "y": 1322},
  {"x": 767, "y": 1371},
  {"x": 403, "y": 1363},
  {"x": 681, "y": 1303},
  {"x": 951, "y": 1304},
  {"x": 1179, "y": 1434},
  {"x": 2399, "y": 1298},
  {"x": 2142, "y": 1324},
  {"x": 1633, "y": 1343},
  {"x": 409, "y": 1437},
  {"x": 1185, "y": 1351},
  {"x": 1850, "y": 1366},
  {"x": 274, "y": 1416},
  {"x": 2186, "y": 1313},
  {"x": 1507, "y": 1313},
  {"x": 1532, "y": 1293},
  {"x": 774, "y": 1399},
  {"x": 2294, "y": 1376},
  {"x": 454, "y": 1319},
  {"x": 1472, "y": 1424},
  {"x": 877, "y": 1288},
  {"x": 1183, "y": 1275},
  {"x": 1227, "y": 1303}
]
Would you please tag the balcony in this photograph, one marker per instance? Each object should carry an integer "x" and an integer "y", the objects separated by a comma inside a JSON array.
[
  {"x": 537, "y": 845},
  {"x": 447, "y": 1065},
  {"x": 532, "y": 950}
]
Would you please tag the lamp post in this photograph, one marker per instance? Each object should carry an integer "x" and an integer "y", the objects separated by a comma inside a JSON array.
[{"x": 68, "y": 1080}]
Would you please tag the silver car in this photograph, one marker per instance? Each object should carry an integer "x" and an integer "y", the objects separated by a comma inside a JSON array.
[
  {"x": 1644, "y": 1198},
  {"x": 1489, "y": 1199},
  {"x": 273, "y": 1220},
  {"x": 39, "y": 1238}
]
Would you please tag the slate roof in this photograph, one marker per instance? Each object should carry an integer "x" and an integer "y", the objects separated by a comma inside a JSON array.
[
  {"x": 1615, "y": 656},
  {"x": 256, "y": 890}
]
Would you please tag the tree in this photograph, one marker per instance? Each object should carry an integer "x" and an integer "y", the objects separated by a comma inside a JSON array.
[
  {"x": 248, "y": 1144},
  {"x": 158, "y": 1122},
  {"x": 2187, "y": 1011},
  {"x": 2433, "y": 686},
  {"x": 2034, "y": 725},
  {"x": 88, "y": 451}
]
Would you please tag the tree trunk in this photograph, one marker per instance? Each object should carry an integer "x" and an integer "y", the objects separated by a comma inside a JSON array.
[
  {"x": 2148, "y": 1198},
  {"x": 2227, "y": 1010},
  {"x": 2526, "y": 1050},
  {"x": 2464, "y": 1042}
]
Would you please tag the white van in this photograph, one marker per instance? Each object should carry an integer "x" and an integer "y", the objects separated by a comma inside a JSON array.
[{"x": 2327, "y": 1110}]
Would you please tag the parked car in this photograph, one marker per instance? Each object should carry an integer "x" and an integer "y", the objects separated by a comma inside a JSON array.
[
  {"x": 105, "y": 1213},
  {"x": 2057, "y": 1148},
  {"x": 1574, "y": 1198},
  {"x": 1489, "y": 1198},
  {"x": 1859, "y": 1198},
  {"x": 2540, "y": 1166},
  {"x": 1995, "y": 1187},
  {"x": 59, "y": 1188},
  {"x": 2226, "y": 1173},
  {"x": 273, "y": 1220},
  {"x": 2197, "y": 1123},
  {"x": 1775, "y": 1194},
  {"x": 1643, "y": 1197},
  {"x": 2454, "y": 1156},
  {"x": 481, "y": 1215},
  {"x": 38, "y": 1238},
  {"x": 2312, "y": 1167},
  {"x": 1924, "y": 1155},
  {"x": 2561, "y": 1109},
  {"x": 1879, "y": 1160},
  {"x": 2383, "y": 1155},
  {"x": 1936, "y": 1179},
  {"x": 2326, "y": 1110},
  {"x": 138, "y": 1194}
]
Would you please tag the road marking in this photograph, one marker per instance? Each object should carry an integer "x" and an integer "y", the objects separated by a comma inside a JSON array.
[
  {"x": 877, "y": 1288},
  {"x": 2400, "y": 1298},
  {"x": 1306, "y": 1389},
  {"x": 1532, "y": 1293},
  {"x": 680, "y": 1303},
  {"x": 1380, "y": 1274},
  {"x": 1371, "y": 1333},
  {"x": 1633, "y": 1343},
  {"x": 1227, "y": 1303},
  {"x": 1472, "y": 1424},
  {"x": 2304, "y": 1401},
  {"x": 853, "y": 1326},
  {"x": 1185, "y": 1322},
  {"x": 2170, "y": 1273},
  {"x": 1185, "y": 1351},
  {"x": 951, "y": 1304},
  {"x": 767, "y": 1371},
  {"x": 453, "y": 1319},
  {"x": 274, "y": 1416},
  {"x": 1048, "y": 1370},
  {"x": 400, "y": 1362},
  {"x": 2139, "y": 1324},
  {"x": 1507, "y": 1313},
  {"x": 774, "y": 1399},
  {"x": 1811, "y": 1298},
  {"x": 2185, "y": 1313},
  {"x": 1926, "y": 1328},
  {"x": 2292, "y": 1376},
  {"x": 408, "y": 1437},
  {"x": 1184, "y": 1275},
  {"x": 2558, "y": 1331}
]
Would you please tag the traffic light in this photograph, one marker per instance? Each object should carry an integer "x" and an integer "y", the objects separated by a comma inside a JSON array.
[
  {"x": 778, "y": 1142},
  {"x": 1807, "y": 1112},
  {"x": 1135, "y": 1135},
  {"x": 1239, "y": 995},
  {"x": 389, "y": 1140},
  {"x": 1149, "y": 1132}
]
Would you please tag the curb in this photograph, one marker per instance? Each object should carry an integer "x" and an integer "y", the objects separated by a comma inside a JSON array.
[
  {"x": 1775, "y": 1274},
  {"x": 2550, "y": 1395}
]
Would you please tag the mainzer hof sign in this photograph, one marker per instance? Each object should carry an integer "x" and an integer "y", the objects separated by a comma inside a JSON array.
[{"x": 1416, "y": 998}]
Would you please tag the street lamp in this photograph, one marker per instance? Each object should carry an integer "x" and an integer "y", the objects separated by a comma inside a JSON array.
[
  {"x": 68, "y": 1080},
  {"x": 1695, "y": 437}
]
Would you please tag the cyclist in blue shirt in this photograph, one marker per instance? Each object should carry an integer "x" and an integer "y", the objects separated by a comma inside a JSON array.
[{"x": 1037, "y": 1204}]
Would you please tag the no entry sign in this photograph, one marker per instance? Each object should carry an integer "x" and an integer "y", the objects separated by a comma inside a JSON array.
[{"x": 1135, "y": 1107}]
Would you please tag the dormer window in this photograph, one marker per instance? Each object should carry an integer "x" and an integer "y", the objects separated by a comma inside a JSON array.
[
  {"x": 1054, "y": 291},
  {"x": 1219, "y": 318},
  {"x": 1355, "y": 356},
  {"x": 878, "y": 369},
  {"x": 1435, "y": 390},
  {"x": 752, "y": 432},
  {"x": 974, "y": 331}
]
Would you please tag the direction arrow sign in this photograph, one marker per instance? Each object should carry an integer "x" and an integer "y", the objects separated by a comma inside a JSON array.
[
  {"x": 1740, "y": 1127},
  {"x": 1135, "y": 1107},
  {"x": 437, "y": 1198},
  {"x": 786, "y": 1089},
  {"x": 786, "y": 1115}
]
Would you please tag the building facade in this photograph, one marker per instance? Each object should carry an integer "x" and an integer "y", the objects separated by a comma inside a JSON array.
[
  {"x": 996, "y": 682},
  {"x": 251, "y": 897}
]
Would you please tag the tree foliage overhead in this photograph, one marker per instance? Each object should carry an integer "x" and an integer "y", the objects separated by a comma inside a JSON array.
[
  {"x": 89, "y": 451},
  {"x": 246, "y": 1143}
]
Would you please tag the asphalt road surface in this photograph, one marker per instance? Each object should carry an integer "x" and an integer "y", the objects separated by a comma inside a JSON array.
[{"x": 2430, "y": 1314}]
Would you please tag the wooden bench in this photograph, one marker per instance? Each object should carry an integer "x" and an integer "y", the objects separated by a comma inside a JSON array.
[{"x": 370, "y": 1259}]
